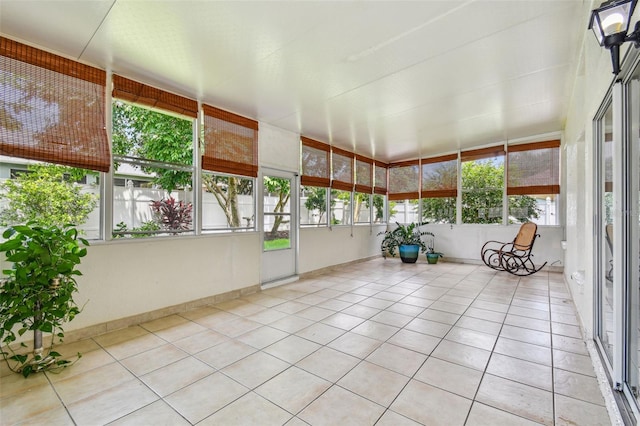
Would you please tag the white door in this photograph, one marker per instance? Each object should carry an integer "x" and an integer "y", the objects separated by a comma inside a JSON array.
[{"x": 279, "y": 226}]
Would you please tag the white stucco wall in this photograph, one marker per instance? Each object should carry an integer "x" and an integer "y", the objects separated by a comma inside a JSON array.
[
  {"x": 126, "y": 278},
  {"x": 324, "y": 247},
  {"x": 593, "y": 80}
]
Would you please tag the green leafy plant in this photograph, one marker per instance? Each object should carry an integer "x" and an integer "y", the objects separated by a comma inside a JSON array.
[
  {"x": 37, "y": 293},
  {"x": 409, "y": 234},
  {"x": 47, "y": 194}
]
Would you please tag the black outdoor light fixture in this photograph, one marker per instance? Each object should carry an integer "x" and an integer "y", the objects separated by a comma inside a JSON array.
[{"x": 610, "y": 23}]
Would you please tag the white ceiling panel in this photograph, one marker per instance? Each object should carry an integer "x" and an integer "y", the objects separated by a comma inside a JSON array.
[{"x": 390, "y": 79}]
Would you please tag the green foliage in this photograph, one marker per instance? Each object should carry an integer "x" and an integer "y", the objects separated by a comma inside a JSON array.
[
  {"x": 482, "y": 189},
  {"x": 143, "y": 133},
  {"x": 317, "y": 200},
  {"x": 482, "y": 192},
  {"x": 37, "y": 294},
  {"x": 46, "y": 194},
  {"x": 409, "y": 234},
  {"x": 142, "y": 231},
  {"x": 282, "y": 188},
  {"x": 439, "y": 210}
]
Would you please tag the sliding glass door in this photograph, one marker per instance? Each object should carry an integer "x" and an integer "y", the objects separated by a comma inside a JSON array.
[
  {"x": 631, "y": 245},
  {"x": 605, "y": 324}
]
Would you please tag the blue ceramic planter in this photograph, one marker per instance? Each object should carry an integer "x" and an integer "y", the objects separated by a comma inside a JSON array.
[{"x": 409, "y": 253}]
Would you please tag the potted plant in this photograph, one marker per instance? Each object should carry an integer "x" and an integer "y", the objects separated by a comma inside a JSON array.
[
  {"x": 407, "y": 239},
  {"x": 431, "y": 253},
  {"x": 37, "y": 292}
]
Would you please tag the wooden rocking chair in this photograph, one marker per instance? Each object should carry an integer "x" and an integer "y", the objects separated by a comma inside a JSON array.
[{"x": 514, "y": 257}]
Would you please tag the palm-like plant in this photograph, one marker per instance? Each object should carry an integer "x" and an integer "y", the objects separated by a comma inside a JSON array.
[{"x": 409, "y": 234}]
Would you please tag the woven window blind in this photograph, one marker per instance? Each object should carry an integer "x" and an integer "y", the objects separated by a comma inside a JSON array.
[
  {"x": 482, "y": 153},
  {"x": 231, "y": 143},
  {"x": 315, "y": 163},
  {"x": 342, "y": 169},
  {"x": 440, "y": 176},
  {"x": 364, "y": 174},
  {"x": 132, "y": 91},
  {"x": 404, "y": 180},
  {"x": 380, "y": 178},
  {"x": 52, "y": 108},
  {"x": 533, "y": 168}
]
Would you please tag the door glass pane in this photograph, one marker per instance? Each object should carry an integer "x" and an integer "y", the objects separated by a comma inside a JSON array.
[
  {"x": 606, "y": 327},
  {"x": 277, "y": 213}
]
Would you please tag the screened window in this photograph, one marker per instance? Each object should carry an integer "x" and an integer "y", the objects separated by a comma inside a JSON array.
[
  {"x": 439, "y": 189},
  {"x": 533, "y": 182},
  {"x": 154, "y": 148},
  {"x": 404, "y": 211},
  {"x": 313, "y": 205},
  {"x": 227, "y": 202},
  {"x": 379, "y": 208},
  {"x": 315, "y": 180},
  {"x": 482, "y": 185},
  {"x": 230, "y": 164},
  {"x": 52, "y": 132},
  {"x": 361, "y": 207},
  {"x": 340, "y": 207}
]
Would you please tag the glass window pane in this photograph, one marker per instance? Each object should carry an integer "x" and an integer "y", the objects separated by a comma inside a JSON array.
[
  {"x": 153, "y": 172},
  {"x": 439, "y": 210},
  {"x": 362, "y": 207},
  {"x": 403, "y": 211},
  {"x": 538, "y": 208},
  {"x": 313, "y": 205},
  {"x": 340, "y": 207},
  {"x": 379, "y": 208},
  {"x": 49, "y": 194},
  {"x": 482, "y": 190},
  {"x": 227, "y": 202},
  {"x": 277, "y": 214}
]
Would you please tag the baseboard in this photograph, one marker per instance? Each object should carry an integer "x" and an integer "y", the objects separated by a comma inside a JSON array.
[
  {"x": 71, "y": 336},
  {"x": 326, "y": 269}
]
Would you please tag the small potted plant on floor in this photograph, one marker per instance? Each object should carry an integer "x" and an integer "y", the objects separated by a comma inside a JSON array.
[
  {"x": 431, "y": 253},
  {"x": 37, "y": 292},
  {"x": 407, "y": 239}
]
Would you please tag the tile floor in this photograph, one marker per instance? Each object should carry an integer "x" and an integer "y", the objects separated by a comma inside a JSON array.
[{"x": 377, "y": 342}]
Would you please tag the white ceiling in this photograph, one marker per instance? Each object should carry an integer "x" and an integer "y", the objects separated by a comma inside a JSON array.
[{"x": 390, "y": 79}]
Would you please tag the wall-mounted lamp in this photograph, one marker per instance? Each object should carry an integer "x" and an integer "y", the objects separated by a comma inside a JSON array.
[{"x": 610, "y": 23}]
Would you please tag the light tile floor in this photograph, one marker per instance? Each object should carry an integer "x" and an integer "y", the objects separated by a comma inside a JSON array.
[{"x": 377, "y": 342}]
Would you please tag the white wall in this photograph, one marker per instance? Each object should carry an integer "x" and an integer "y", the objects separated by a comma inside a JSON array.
[
  {"x": 464, "y": 242},
  {"x": 129, "y": 277},
  {"x": 324, "y": 247},
  {"x": 593, "y": 80}
]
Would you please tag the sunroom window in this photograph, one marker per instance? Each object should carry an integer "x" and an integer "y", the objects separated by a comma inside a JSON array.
[{"x": 153, "y": 162}]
